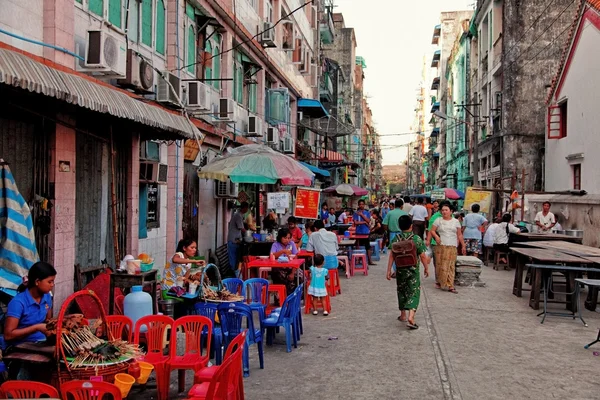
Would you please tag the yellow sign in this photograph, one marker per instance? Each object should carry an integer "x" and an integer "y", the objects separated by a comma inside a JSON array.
[{"x": 484, "y": 199}]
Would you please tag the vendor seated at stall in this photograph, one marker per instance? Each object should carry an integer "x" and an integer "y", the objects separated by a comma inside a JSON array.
[
  {"x": 29, "y": 310},
  {"x": 284, "y": 246},
  {"x": 179, "y": 269}
]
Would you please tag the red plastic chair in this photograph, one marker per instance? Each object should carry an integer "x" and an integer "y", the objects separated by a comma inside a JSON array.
[
  {"x": 157, "y": 333},
  {"x": 27, "y": 390},
  {"x": 88, "y": 390},
  {"x": 227, "y": 381},
  {"x": 206, "y": 374},
  {"x": 119, "y": 325},
  {"x": 119, "y": 300},
  {"x": 333, "y": 285},
  {"x": 196, "y": 328}
]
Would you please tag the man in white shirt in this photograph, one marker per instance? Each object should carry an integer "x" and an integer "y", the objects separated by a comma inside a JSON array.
[
  {"x": 545, "y": 220},
  {"x": 323, "y": 241},
  {"x": 407, "y": 205},
  {"x": 342, "y": 218},
  {"x": 419, "y": 214}
]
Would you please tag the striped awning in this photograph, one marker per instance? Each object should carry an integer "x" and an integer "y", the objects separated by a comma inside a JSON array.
[{"x": 23, "y": 72}]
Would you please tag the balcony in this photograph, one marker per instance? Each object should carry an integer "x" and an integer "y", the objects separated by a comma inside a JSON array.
[
  {"x": 490, "y": 173},
  {"x": 436, "y": 34},
  {"x": 435, "y": 62},
  {"x": 326, "y": 89},
  {"x": 326, "y": 28},
  {"x": 435, "y": 85},
  {"x": 497, "y": 54}
]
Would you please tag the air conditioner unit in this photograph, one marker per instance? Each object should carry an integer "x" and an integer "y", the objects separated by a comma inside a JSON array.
[
  {"x": 164, "y": 92},
  {"x": 198, "y": 96},
  {"x": 153, "y": 172},
  {"x": 105, "y": 54},
  {"x": 272, "y": 135},
  {"x": 225, "y": 189},
  {"x": 288, "y": 145},
  {"x": 140, "y": 74},
  {"x": 267, "y": 38},
  {"x": 226, "y": 110},
  {"x": 254, "y": 127}
]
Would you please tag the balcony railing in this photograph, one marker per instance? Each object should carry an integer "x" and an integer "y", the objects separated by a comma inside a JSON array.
[
  {"x": 326, "y": 88},
  {"x": 490, "y": 173}
]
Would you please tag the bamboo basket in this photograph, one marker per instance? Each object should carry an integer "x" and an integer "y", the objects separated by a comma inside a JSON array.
[{"x": 64, "y": 372}]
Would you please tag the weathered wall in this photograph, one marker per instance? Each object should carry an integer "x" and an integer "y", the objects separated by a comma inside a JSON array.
[{"x": 529, "y": 65}]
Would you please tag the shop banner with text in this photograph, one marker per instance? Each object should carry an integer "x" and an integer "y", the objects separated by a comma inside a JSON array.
[
  {"x": 307, "y": 203},
  {"x": 484, "y": 199}
]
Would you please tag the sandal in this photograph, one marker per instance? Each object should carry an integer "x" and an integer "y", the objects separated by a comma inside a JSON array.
[
  {"x": 453, "y": 290},
  {"x": 412, "y": 325},
  {"x": 315, "y": 312},
  {"x": 402, "y": 320},
  {"x": 438, "y": 286}
]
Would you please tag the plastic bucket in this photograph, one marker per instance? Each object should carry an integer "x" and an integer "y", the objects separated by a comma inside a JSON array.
[
  {"x": 124, "y": 382},
  {"x": 145, "y": 371}
]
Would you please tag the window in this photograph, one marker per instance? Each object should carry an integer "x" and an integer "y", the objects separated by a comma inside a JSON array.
[
  {"x": 147, "y": 22},
  {"x": 160, "y": 27},
  {"x": 190, "y": 46},
  {"x": 269, "y": 10},
  {"x": 576, "y": 176},
  {"x": 250, "y": 86},
  {"x": 557, "y": 121},
  {"x": 150, "y": 151},
  {"x": 149, "y": 192},
  {"x": 96, "y": 6},
  {"x": 238, "y": 78},
  {"x": 208, "y": 72},
  {"x": 216, "y": 62},
  {"x": 114, "y": 12},
  {"x": 563, "y": 119}
]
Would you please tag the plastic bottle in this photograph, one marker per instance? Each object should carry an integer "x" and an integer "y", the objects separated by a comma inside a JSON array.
[{"x": 137, "y": 304}]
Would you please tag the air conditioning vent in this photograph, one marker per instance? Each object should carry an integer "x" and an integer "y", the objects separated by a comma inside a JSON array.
[
  {"x": 272, "y": 135},
  {"x": 105, "y": 54},
  {"x": 164, "y": 92},
  {"x": 198, "y": 96},
  {"x": 225, "y": 189},
  {"x": 288, "y": 145},
  {"x": 254, "y": 127},
  {"x": 153, "y": 172},
  {"x": 268, "y": 35},
  {"x": 226, "y": 110},
  {"x": 140, "y": 74}
]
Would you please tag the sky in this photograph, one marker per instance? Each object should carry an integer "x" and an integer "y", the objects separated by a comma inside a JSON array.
[{"x": 393, "y": 36}]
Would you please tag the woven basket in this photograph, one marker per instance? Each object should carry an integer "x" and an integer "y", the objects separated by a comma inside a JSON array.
[
  {"x": 217, "y": 274},
  {"x": 64, "y": 372}
]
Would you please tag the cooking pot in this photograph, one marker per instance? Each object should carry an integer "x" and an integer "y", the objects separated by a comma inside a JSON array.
[{"x": 574, "y": 232}]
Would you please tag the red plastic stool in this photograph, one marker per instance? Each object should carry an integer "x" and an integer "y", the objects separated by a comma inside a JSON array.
[
  {"x": 323, "y": 303},
  {"x": 349, "y": 270},
  {"x": 333, "y": 284},
  {"x": 281, "y": 293},
  {"x": 364, "y": 263}
]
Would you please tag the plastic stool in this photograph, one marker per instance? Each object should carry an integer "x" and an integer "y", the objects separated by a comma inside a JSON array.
[
  {"x": 263, "y": 272},
  {"x": 323, "y": 303},
  {"x": 497, "y": 255},
  {"x": 364, "y": 264},
  {"x": 333, "y": 285},
  {"x": 375, "y": 247},
  {"x": 349, "y": 270},
  {"x": 281, "y": 293}
]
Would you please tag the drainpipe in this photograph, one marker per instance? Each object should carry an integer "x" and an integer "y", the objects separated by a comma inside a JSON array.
[{"x": 177, "y": 144}]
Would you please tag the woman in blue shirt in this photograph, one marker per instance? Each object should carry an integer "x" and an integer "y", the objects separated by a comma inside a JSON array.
[
  {"x": 29, "y": 310},
  {"x": 471, "y": 227}
]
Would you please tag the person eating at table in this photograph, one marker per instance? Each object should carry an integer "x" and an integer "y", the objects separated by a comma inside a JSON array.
[
  {"x": 325, "y": 214},
  {"x": 295, "y": 231},
  {"x": 285, "y": 246},
  {"x": 544, "y": 219},
  {"x": 362, "y": 221}
]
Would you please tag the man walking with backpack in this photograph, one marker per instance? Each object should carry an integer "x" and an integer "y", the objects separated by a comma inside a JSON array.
[{"x": 406, "y": 250}]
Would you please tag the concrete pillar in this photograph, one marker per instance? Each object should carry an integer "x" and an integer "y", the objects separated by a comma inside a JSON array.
[
  {"x": 174, "y": 198},
  {"x": 62, "y": 230},
  {"x": 133, "y": 198},
  {"x": 59, "y": 28}
]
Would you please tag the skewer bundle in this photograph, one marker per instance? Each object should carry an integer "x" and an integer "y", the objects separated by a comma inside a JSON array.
[{"x": 223, "y": 294}]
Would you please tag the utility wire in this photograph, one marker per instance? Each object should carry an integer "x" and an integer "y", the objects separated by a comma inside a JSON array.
[{"x": 252, "y": 38}]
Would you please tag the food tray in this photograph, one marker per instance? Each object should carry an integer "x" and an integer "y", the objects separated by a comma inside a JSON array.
[{"x": 122, "y": 359}]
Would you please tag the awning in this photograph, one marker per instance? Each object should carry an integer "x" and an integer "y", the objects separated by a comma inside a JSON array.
[
  {"x": 435, "y": 132},
  {"x": 435, "y": 106},
  {"x": 20, "y": 71},
  {"x": 330, "y": 156},
  {"x": 312, "y": 107},
  {"x": 316, "y": 170},
  {"x": 436, "y": 83}
]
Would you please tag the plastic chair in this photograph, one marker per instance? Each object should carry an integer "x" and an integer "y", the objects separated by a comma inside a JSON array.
[
  {"x": 333, "y": 284},
  {"x": 209, "y": 310},
  {"x": 362, "y": 257},
  {"x": 27, "y": 390},
  {"x": 206, "y": 374},
  {"x": 349, "y": 271},
  {"x": 119, "y": 326},
  {"x": 324, "y": 303},
  {"x": 263, "y": 272},
  {"x": 198, "y": 333},
  {"x": 256, "y": 292},
  {"x": 88, "y": 390},
  {"x": 284, "y": 319},
  {"x": 119, "y": 300},
  {"x": 227, "y": 381},
  {"x": 280, "y": 291},
  {"x": 158, "y": 326},
  {"x": 234, "y": 285},
  {"x": 232, "y": 316}
]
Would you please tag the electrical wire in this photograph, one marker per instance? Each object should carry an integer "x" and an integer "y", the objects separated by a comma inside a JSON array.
[{"x": 243, "y": 42}]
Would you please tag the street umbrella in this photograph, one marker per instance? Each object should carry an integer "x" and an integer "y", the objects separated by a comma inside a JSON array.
[
  {"x": 346, "y": 189},
  {"x": 256, "y": 163},
  {"x": 17, "y": 238},
  {"x": 454, "y": 194}
]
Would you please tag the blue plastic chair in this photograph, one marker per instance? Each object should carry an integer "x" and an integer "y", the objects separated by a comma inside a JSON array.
[
  {"x": 256, "y": 291},
  {"x": 283, "y": 319},
  {"x": 232, "y": 316},
  {"x": 209, "y": 310},
  {"x": 296, "y": 313},
  {"x": 234, "y": 285}
]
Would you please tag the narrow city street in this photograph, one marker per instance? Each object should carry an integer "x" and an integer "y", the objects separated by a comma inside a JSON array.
[{"x": 483, "y": 343}]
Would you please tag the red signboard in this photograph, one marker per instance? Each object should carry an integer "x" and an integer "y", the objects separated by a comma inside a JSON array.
[{"x": 307, "y": 204}]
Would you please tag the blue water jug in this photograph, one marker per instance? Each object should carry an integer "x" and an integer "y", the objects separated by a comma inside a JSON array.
[{"x": 137, "y": 304}]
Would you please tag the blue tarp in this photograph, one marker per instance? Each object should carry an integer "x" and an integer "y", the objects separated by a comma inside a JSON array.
[
  {"x": 316, "y": 170},
  {"x": 17, "y": 238},
  {"x": 313, "y": 104}
]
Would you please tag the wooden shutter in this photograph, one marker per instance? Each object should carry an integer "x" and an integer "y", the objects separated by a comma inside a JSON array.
[
  {"x": 160, "y": 27},
  {"x": 554, "y": 127},
  {"x": 298, "y": 50},
  {"x": 147, "y": 22}
]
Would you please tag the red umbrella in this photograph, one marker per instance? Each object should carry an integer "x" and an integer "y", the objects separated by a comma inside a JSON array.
[{"x": 346, "y": 189}]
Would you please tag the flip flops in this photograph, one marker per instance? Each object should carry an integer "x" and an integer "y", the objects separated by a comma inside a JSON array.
[{"x": 412, "y": 325}]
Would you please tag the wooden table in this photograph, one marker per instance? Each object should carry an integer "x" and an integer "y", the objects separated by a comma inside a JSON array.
[
  {"x": 532, "y": 237},
  {"x": 526, "y": 255},
  {"x": 126, "y": 281},
  {"x": 295, "y": 264}
]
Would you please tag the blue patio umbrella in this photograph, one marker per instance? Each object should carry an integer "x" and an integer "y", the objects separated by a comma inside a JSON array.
[{"x": 17, "y": 238}]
